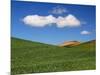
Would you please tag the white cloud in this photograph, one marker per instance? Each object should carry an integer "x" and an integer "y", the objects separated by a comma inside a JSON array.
[
  {"x": 85, "y": 32},
  {"x": 69, "y": 20},
  {"x": 59, "y": 10},
  {"x": 38, "y": 21},
  {"x": 41, "y": 21}
]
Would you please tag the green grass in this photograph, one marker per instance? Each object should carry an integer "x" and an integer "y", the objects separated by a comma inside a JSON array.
[{"x": 34, "y": 57}]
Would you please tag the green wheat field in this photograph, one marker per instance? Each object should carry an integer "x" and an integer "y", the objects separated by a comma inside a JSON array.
[{"x": 34, "y": 57}]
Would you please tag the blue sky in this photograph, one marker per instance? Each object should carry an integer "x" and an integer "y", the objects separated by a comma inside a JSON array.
[{"x": 79, "y": 25}]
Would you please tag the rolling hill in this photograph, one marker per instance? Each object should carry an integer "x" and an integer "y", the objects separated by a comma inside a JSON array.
[{"x": 35, "y": 57}]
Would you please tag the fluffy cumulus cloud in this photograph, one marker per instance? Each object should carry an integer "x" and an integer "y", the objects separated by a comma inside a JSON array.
[
  {"x": 41, "y": 21},
  {"x": 38, "y": 21},
  {"x": 70, "y": 21},
  {"x": 59, "y": 10},
  {"x": 85, "y": 32}
]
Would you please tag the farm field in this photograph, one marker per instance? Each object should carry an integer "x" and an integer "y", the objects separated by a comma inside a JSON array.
[{"x": 35, "y": 57}]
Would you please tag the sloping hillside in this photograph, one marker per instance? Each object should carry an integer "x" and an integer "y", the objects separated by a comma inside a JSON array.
[{"x": 34, "y": 57}]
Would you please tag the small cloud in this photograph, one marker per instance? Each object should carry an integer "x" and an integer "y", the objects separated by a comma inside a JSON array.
[
  {"x": 59, "y": 10},
  {"x": 41, "y": 21},
  {"x": 85, "y": 32}
]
